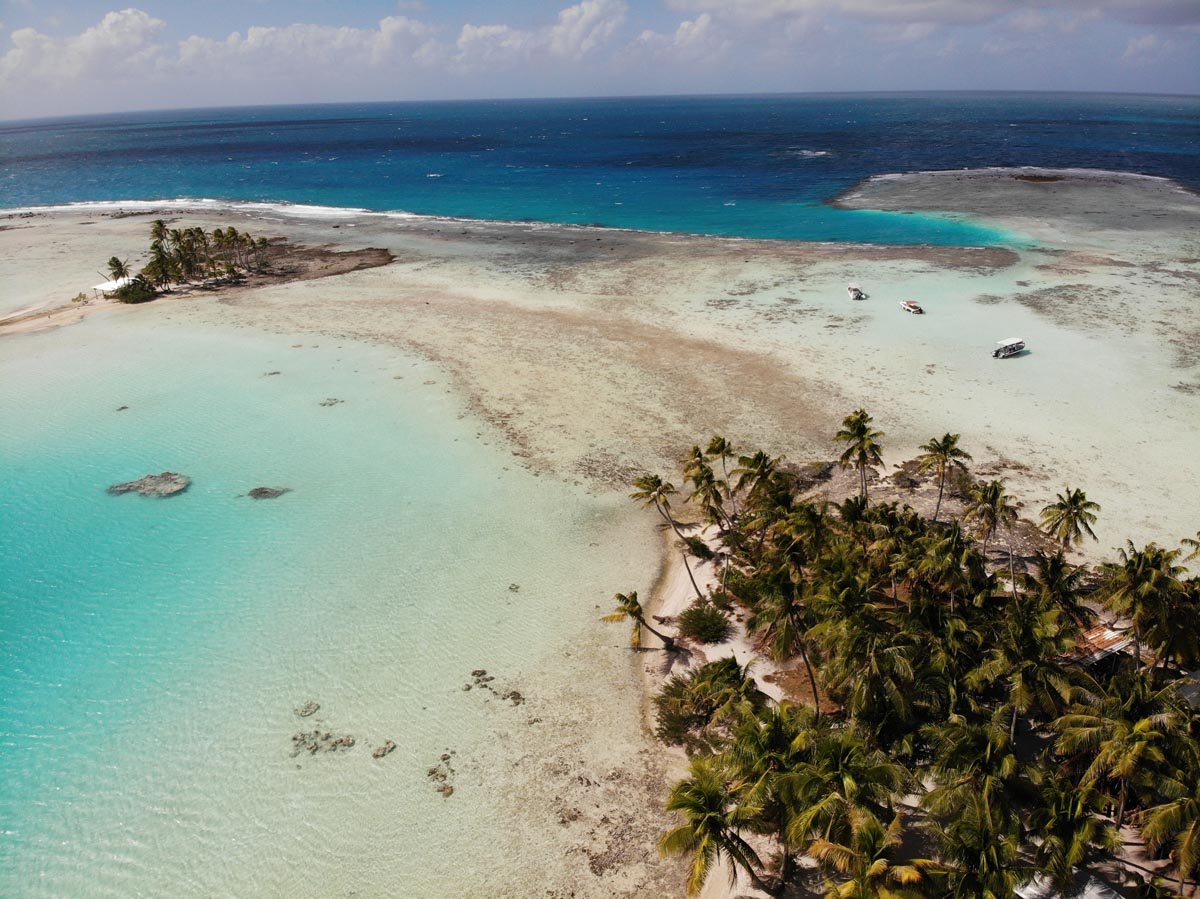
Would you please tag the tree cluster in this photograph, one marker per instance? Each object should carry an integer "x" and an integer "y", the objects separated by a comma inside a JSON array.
[
  {"x": 189, "y": 256},
  {"x": 954, "y": 743}
]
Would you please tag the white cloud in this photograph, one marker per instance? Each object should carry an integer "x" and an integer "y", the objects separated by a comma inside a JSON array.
[
  {"x": 579, "y": 30},
  {"x": 585, "y": 26},
  {"x": 1029, "y": 20},
  {"x": 1142, "y": 49},
  {"x": 693, "y": 39},
  {"x": 946, "y": 12},
  {"x": 122, "y": 44},
  {"x": 301, "y": 46}
]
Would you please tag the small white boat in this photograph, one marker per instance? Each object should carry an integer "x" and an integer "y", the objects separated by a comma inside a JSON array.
[
  {"x": 912, "y": 306},
  {"x": 856, "y": 292},
  {"x": 1009, "y": 346}
]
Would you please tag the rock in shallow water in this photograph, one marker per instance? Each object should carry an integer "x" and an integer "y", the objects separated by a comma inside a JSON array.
[
  {"x": 268, "y": 492},
  {"x": 168, "y": 483}
]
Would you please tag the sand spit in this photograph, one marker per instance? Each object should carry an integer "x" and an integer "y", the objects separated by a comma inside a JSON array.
[{"x": 601, "y": 353}]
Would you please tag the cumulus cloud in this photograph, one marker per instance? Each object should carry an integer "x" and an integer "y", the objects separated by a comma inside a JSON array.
[
  {"x": 1141, "y": 49},
  {"x": 947, "y": 12},
  {"x": 122, "y": 42},
  {"x": 579, "y": 30},
  {"x": 693, "y": 39},
  {"x": 303, "y": 46}
]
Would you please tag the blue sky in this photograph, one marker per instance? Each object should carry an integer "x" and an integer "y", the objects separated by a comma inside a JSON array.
[{"x": 61, "y": 57}]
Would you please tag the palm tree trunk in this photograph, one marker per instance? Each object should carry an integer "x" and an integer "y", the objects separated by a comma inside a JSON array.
[
  {"x": 812, "y": 680},
  {"x": 785, "y": 867},
  {"x": 667, "y": 518},
  {"x": 941, "y": 487},
  {"x": 1012, "y": 572},
  {"x": 667, "y": 641},
  {"x": 862, "y": 477},
  {"x": 1012, "y": 728}
]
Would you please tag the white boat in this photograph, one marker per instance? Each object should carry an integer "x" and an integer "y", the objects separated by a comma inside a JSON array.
[
  {"x": 1009, "y": 346},
  {"x": 856, "y": 292},
  {"x": 912, "y": 306}
]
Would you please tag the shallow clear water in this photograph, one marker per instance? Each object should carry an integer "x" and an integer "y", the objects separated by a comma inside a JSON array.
[
  {"x": 744, "y": 166},
  {"x": 152, "y": 650}
]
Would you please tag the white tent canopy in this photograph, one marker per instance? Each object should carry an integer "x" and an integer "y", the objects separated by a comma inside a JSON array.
[{"x": 109, "y": 286}]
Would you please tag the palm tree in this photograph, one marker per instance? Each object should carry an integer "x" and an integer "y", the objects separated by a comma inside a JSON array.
[
  {"x": 117, "y": 269},
  {"x": 1024, "y": 659},
  {"x": 868, "y": 862},
  {"x": 1145, "y": 585},
  {"x": 765, "y": 748},
  {"x": 711, "y": 828},
  {"x": 1058, "y": 585},
  {"x": 1069, "y": 833},
  {"x": 862, "y": 447},
  {"x": 654, "y": 491},
  {"x": 1123, "y": 734},
  {"x": 845, "y": 782},
  {"x": 1178, "y": 821},
  {"x": 1192, "y": 543},
  {"x": 720, "y": 448},
  {"x": 780, "y": 619},
  {"x": 992, "y": 508},
  {"x": 629, "y": 607},
  {"x": 980, "y": 849},
  {"x": 942, "y": 455},
  {"x": 1070, "y": 517}
]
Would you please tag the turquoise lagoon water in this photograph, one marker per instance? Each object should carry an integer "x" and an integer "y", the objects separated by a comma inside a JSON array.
[{"x": 153, "y": 650}]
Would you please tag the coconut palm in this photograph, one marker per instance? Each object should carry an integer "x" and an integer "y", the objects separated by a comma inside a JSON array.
[
  {"x": 862, "y": 446},
  {"x": 1178, "y": 821},
  {"x": 780, "y": 620},
  {"x": 868, "y": 862},
  {"x": 629, "y": 607},
  {"x": 1145, "y": 586},
  {"x": 942, "y": 455},
  {"x": 845, "y": 782},
  {"x": 766, "y": 747},
  {"x": 1069, "y": 832},
  {"x": 1057, "y": 584},
  {"x": 118, "y": 270},
  {"x": 991, "y": 508},
  {"x": 720, "y": 448},
  {"x": 980, "y": 850},
  {"x": 1024, "y": 659},
  {"x": 711, "y": 827},
  {"x": 1070, "y": 516},
  {"x": 1192, "y": 543},
  {"x": 1124, "y": 734},
  {"x": 656, "y": 492}
]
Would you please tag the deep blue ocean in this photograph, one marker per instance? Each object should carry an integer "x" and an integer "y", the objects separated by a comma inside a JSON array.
[{"x": 747, "y": 166}]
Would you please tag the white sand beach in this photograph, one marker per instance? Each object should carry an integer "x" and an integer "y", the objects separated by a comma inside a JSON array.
[{"x": 592, "y": 355}]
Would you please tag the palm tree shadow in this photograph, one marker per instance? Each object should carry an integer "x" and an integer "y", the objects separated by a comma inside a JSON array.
[{"x": 679, "y": 656}]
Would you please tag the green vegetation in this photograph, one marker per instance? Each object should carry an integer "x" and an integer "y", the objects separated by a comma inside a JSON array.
[
  {"x": 189, "y": 256},
  {"x": 962, "y": 746},
  {"x": 704, "y": 623}
]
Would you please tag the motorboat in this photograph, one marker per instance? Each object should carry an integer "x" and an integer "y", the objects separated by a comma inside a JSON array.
[
  {"x": 912, "y": 306},
  {"x": 856, "y": 292},
  {"x": 1009, "y": 346}
]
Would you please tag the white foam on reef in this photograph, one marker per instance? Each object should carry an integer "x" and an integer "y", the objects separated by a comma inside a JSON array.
[
  {"x": 1082, "y": 173},
  {"x": 205, "y": 204}
]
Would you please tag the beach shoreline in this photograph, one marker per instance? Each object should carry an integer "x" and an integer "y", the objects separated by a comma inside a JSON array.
[{"x": 599, "y": 354}]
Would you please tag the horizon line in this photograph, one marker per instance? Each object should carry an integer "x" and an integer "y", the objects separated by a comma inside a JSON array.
[{"x": 579, "y": 97}]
